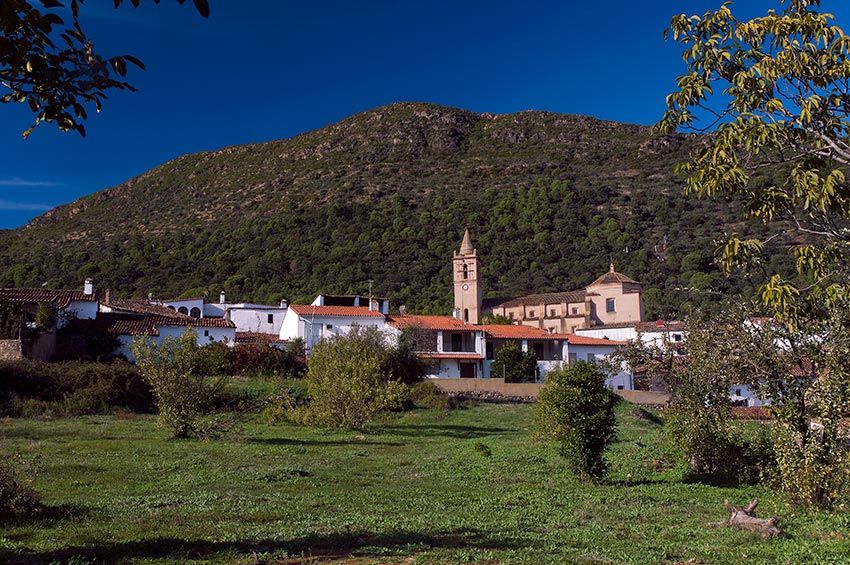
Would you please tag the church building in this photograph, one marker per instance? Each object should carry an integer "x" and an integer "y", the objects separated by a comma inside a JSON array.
[{"x": 612, "y": 299}]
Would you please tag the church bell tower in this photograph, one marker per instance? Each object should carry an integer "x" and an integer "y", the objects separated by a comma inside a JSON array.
[{"x": 467, "y": 283}]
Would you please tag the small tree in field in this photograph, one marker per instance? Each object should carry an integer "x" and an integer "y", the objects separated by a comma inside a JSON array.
[
  {"x": 577, "y": 410},
  {"x": 514, "y": 364},
  {"x": 350, "y": 380},
  {"x": 181, "y": 394}
]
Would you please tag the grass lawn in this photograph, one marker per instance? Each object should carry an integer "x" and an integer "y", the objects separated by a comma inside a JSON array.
[{"x": 416, "y": 487}]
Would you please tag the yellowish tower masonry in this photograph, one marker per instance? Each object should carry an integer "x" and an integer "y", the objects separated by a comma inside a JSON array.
[{"x": 467, "y": 282}]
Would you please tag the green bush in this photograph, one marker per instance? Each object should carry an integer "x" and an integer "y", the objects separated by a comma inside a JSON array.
[
  {"x": 348, "y": 380},
  {"x": 30, "y": 388},
  {"x": 426, "y": 394},
  {"x": 515, "y": 365},
  {"x": 577, "y": 410},
  {"x": 17, "y": 497},
  {"x": 183, "y": 397}
]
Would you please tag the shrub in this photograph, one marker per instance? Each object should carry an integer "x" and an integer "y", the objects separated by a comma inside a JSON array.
[
  {"x": 212, "y": 359},
  {"x": 426, "y": 394},
  {"x": 577, "y": 410},
  {"x": 348, "y": 380},
  {"x": 265, "y": 360},
  {"x": 182, "y": 395},
  {"x": 30, "y": 388},
  {"x": 515, "y": 365},
  {"x": 17, "y": 497},
  {"x": 285, "y": 403}
]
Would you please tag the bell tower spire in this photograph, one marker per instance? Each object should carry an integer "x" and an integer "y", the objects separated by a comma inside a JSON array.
[{"x": 467, "y": 282}]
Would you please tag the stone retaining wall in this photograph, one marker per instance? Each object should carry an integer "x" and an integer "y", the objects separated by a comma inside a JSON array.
[
  {"x": 10, "y": 350},
  {"x": 531, "y": 390}
]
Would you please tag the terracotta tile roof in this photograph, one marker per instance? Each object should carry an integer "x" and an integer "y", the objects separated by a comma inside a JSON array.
[
  {"x": 193, "y": 322},
  {"x": 660, "y": 326},
  {"x": 569, "y": 297},
  {"x": 439, "y": 323},
  {"x": 60, "y": 297},
  {"x": 307, "y": 310},
  {"x": 573, "y": 339},
  {"x": 503, "y": 331},
  {"x": 451, "y": 355},
  {"x": 254, "y": 337},
  {"x": 127, "y": 324},
  {"x": 613, "y": 277},
  {"x": 142, "y": 306}
]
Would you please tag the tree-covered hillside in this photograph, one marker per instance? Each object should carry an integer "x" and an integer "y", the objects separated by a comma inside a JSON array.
[{"x": 385, "y": 195}]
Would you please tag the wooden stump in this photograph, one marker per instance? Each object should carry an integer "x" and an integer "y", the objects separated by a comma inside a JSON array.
[{"x": 744, "y": 518}]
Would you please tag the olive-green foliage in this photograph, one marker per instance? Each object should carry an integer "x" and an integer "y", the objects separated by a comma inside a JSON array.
[
  {"x": 541, "y": 221},
  {"x": 31, "y": 388},
  {"x": 44, "y": 317},
  {"x": 182, "y": 395},
  {"x": 349, "y": 381},
  {"x": 10, "y": 320},
  {"x": 577, "y": 410},
  {"x": 17, "y": 496},
  {"x": 426, "y": 394},
  {"x": 514, "y": 364},
  {"x": 776, "y": 87}
]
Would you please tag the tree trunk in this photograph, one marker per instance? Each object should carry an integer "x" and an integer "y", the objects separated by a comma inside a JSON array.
[{"x": 744, "y": 518}]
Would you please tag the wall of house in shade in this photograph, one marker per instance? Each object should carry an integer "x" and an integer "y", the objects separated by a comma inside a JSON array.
[{"x": 205, "y": 336}]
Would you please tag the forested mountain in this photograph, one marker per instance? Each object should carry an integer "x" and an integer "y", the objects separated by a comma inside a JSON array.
[{"x": 385, "y": 195}]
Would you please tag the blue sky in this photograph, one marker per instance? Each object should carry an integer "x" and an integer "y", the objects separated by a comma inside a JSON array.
[{"x": 258, "y": 70}]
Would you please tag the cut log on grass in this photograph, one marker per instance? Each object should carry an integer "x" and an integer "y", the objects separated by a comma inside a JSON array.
[{"x": 744, "y": 518}]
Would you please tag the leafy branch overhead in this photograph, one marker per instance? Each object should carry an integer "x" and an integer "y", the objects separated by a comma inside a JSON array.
[
  {"x": 775, "y": 91},
  {"x": 49, "y": 63}
]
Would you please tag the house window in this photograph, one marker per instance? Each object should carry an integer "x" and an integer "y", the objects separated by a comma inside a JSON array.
[
  {"x": 552, "y": 313},
  {"x": 466, "y": 314},
  {"x": 490, "y": 350},
  {"x": 329, "y": 326},
  {"x": 575, "y": 310},
  {"x": 738, "y": 392},
  {"x": 270, "y": 318},
  {"x": 195, "y": 312},
  {"x": 619, "y": 387},
  {"x": 591, "y": 358},
  {"x": 183, "y": 310},
  {"x": 677, "y": 337},
  {"x": 609, "y": 305},
  {"x": 206, "y": 333},
  {"x": 465, "y": 271},
  {"x": 531, "y": 313},
  {"x": 573, "y": 358}
]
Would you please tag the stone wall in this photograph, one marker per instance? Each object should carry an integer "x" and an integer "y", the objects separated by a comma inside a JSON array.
[
  {"x": 10, "y": 350},
  {"x": 531, "y": 390}
]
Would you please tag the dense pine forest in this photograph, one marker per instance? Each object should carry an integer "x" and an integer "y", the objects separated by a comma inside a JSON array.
[{"x": 385, "y": 195}]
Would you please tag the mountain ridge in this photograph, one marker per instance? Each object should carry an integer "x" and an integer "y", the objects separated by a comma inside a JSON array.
[{"x": 550, "y": 197}]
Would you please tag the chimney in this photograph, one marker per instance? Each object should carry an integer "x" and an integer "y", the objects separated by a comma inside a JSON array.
[
  {"x": 221, "y": 298},
  {"x": 107, "y": 296},
  {"x": 88, "y": 288},
  {"x": 284, "y": 304},
  {"x": 150, "y": 297},
  {"x": 373, "y": 305}
]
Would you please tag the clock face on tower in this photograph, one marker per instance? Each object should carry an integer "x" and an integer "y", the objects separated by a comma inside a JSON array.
[{"x": 466, "y": 287}]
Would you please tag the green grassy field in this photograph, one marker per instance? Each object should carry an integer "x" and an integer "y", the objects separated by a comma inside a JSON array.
[{"x": 414, "y": 487}]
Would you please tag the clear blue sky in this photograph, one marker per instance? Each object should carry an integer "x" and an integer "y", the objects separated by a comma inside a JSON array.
[{"x": 259, "y": 70}]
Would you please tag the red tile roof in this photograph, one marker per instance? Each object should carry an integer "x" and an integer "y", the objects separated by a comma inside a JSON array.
[
  {"x": 613, "y": 277},
  {"x": 573, "y": 339},
  {"x": 147, "y": 324},
  {"x": 347, "y": 311},
  {"x": 439, "y": 323},
  {"x": 513, "y": 331},
  {"x": 568, "y": 297},
  {"x": 60, "y": 297}
]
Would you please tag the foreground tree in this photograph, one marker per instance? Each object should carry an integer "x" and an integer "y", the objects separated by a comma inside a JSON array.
[
  {"x": 350, "y": 379},
  {"x": 53, "y": 67},
  {"x": 576, "y": 409},
  {"x": 776, "y": 90},
  {"x": 514, "y": 364},
  {"x": 182, "y": 395}
]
